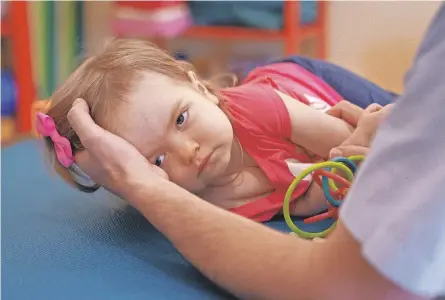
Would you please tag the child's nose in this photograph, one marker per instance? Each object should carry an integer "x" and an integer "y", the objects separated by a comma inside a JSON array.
[{"x": 187, "y": 151}]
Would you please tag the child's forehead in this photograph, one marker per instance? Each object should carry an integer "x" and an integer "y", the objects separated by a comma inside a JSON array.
[
  {"x": 148, "y": 109},
  {"x": 155, "y": 90},
  {"x": 153, "y": 93},
  {"x": 142, "y": 125}
]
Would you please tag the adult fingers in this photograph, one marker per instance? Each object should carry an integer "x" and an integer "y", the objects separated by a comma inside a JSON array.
[
  {"x": 84, "y": 161},
  {"x": 347, "y": 151},
  {"x": 346, "y": 111},
  {"x": 80, "y": 120},
  {"x": 374, "y": 107}
]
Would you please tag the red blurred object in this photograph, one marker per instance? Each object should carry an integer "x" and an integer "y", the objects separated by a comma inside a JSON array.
[
  {"x": 15, "y": 27},
  {"x": 5, "y": 27}
]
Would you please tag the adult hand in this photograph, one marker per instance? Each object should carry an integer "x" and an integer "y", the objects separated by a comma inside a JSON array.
[
  {"x": 360, "y": 140},
  {"x": 109, "y": 160}
]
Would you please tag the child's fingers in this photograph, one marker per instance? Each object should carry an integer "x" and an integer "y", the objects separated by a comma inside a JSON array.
[
  {"x": 372, "y": 118},
  {"x": 374, "y": 107},
  {"x": 348, "y": 112}
]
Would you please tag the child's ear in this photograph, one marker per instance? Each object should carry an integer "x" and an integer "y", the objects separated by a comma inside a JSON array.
[{"x": 199, "y": 86}]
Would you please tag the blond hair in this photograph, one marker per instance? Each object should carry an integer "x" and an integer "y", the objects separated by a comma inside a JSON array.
[{"x": 104, "y": 81}]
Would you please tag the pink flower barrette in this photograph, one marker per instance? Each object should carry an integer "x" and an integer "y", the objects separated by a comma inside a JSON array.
[{"x": 46, "y": 127}]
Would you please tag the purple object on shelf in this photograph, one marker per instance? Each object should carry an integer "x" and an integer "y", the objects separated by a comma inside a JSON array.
[{"x": 9, "y": 93}]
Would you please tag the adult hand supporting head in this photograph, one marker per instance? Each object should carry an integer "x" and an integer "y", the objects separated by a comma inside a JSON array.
[
  {"x": 367, "y": 125},
  {"x": 109, "y": 160}
]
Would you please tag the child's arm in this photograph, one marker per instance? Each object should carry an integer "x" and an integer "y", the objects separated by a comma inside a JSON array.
[
  {"x": 310, "y": 203},
  {"x": 313, "y": 130},
  {"x": 318, "y": 133}
]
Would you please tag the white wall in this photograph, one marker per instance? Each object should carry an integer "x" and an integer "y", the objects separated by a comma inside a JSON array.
[{"x": 376, "y": 39}]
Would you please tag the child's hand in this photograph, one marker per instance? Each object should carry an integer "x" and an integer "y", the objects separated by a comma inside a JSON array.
[
  {"x": 108, "y": 159},
  {"x": 348, "y": 112},
  {"x": 367, "y": 125}
]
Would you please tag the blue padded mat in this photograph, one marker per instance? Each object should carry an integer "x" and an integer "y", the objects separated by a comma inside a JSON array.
[{"x": 61, "y": 244}]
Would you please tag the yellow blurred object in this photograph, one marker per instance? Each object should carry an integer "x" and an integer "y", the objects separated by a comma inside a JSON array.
[
  {"x": 8, "y": 129},
  {"x": 10, "y": 134},
  {"x": 39, "y": 106}
]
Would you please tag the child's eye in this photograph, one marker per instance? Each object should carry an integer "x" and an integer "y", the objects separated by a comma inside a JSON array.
[
  {"x": 182, "y": 118},
  {"x": 159, "y": 160}
]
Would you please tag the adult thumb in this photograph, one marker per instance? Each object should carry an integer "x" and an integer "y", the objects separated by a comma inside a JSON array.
[
  {"x": 80, "y": 120},
  {"x": 346, "y": 151}
]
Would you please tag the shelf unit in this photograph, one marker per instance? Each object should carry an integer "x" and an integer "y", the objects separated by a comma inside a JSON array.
[
  {"x": 15, "y": 27},
  {"x": 291, "y": 35}
]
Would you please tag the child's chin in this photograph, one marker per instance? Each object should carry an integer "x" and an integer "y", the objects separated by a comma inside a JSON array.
[{"x": 196, "y": 188}]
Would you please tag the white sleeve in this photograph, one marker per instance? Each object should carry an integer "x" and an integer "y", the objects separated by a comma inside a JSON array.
[{"x": 396, "y": 207}]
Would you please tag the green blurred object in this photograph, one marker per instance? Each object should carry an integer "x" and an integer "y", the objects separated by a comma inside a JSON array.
[{"x": 57, "y": 37}]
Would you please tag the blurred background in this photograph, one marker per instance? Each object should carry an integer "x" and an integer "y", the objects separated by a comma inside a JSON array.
[{"x": 42, "y": 42}]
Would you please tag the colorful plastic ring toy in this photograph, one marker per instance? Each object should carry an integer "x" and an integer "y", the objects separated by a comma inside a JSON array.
[
  {"x": 318, "y": 175},
  {"x": 325, "y": 180},
  {"x": 349, "y": 163},
  {"x": 291, "y": 189},
  {"x": 351, "y": 160},
  {"x": 332, "y": 211}
]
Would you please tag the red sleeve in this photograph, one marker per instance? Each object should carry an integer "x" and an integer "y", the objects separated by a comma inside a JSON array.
[
  {"x": 259, "y": 109},
  {"x": 290, "y": 78}
]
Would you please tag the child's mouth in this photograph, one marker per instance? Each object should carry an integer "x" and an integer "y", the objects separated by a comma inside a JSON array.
[{"x": 204, "y": 163}]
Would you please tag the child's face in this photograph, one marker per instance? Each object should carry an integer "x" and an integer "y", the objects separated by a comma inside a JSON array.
[{"x": 180, "y": 129}]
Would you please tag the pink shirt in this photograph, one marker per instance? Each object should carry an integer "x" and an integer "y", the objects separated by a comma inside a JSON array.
[{"x": 263, "y": 126}]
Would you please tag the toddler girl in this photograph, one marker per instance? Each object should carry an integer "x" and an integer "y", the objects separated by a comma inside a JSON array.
[{"x": 238, "y": 147}]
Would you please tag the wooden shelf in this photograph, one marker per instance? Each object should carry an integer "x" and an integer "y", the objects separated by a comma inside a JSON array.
[
  {"x": 240, "y": 33},
  {"x": 291, "y": 35},
  {"x": 232, "y": 33}
]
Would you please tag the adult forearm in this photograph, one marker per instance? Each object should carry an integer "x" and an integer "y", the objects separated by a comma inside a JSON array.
[{"x": 247, "y": 258}]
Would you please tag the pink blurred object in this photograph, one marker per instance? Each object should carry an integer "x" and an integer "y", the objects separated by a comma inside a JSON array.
[{"x": 151, "y": 19}]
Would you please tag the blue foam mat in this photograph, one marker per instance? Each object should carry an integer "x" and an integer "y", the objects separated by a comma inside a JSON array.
[{"x": 61, "y": 244}]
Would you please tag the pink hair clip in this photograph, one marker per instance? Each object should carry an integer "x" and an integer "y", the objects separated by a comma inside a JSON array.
[{"x": 45, "y": 126}]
